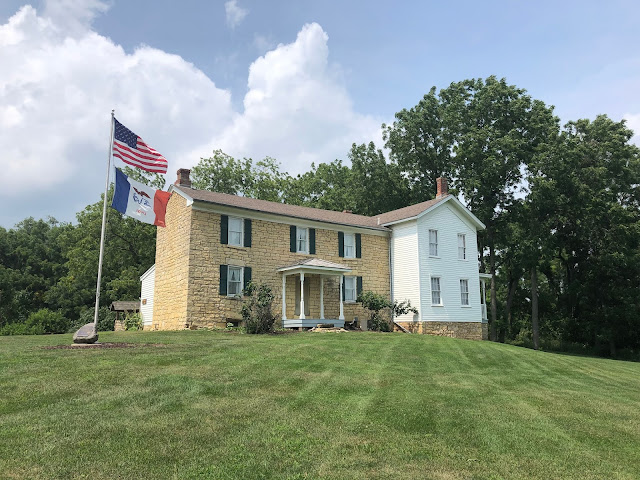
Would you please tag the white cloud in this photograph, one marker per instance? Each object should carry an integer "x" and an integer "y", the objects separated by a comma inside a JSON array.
[
  {"x": 297, "y": 109},
  {"x": 235, "y": 13},
  {"x": 58, "y": 86},
  {"x": 633, "y": 122}
]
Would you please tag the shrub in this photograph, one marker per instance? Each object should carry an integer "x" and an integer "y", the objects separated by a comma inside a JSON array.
[
  {"x": 48, "y": 321},
  {"x": 21, "y": 328},
  {"x": 132, "y": 321},
  {"x": 257, "y": 308},
  {"x": 106, "y": 319},
  {"x": 375, "y": 303}
]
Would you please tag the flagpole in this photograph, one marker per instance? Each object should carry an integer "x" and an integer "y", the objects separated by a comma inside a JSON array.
[{"x": 104, "y": 222}]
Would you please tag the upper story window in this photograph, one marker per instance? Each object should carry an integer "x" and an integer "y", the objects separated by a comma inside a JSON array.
[
  {"x": 433, "y": 243},
  {"x": 349, "y": 245},
  {"x": 236, "y": 231},
  {"x": 464, "y": 292},
  {"x": 462, "y": 246},
  {"x": 302, "y": 240},
  {"x": 302, "y": 245},
  {"x": 436, "y": 294}
]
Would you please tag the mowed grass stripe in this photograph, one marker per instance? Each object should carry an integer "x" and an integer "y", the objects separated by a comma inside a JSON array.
[{"x": 355, "y": 405}]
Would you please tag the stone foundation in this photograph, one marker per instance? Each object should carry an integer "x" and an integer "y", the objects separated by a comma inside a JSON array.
[{"x": 466, "y": 330}]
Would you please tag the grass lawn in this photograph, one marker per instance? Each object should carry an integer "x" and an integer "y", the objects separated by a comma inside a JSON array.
[{"x": 352, "y": 406}]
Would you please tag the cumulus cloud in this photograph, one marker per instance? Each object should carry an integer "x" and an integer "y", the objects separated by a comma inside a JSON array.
[
  {"x": 297, "y": 109},
  {"x": 235, "y": 13},
  {"x": 633, "y": 122},
  {"x": 58, "y": 86}
]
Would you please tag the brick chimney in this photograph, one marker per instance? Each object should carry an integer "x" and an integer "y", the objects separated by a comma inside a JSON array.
[
  {"x": 183, "y": 178},
  {"x": 442, "y": 190}
]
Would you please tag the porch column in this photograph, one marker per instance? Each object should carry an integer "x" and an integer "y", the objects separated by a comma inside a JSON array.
[
  {"x": 284, "y": 294},
  {"x": 322, "y": 297},
  {"x": 341, "y": 317},
  {"x": 302, "y": 317}
]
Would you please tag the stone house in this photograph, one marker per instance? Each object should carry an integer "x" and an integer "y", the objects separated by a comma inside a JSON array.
[{"x": 316, "y": 261}]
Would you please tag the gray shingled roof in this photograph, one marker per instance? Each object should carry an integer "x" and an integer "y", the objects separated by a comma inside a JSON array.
[
  {"x": 341, "y": 218},
  {"x": 125, "y": 306},
  {"x": 317, "y": 262}
]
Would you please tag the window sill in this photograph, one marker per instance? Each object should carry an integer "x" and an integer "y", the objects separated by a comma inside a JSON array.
[
  {"x": 434, "y": 256},
  {"x": 438, "y": 305},
  {"x": 465, "y": 306},
  {"x": 233, "y": 297},
  {"x": 351, "y": 302},
  {"x": 237, "y": 247}
]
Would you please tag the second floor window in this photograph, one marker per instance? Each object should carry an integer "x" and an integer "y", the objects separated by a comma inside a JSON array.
[
  {"x": 433, "y": 243},
  {"x": 349, "y": 245},
  {"x": 236, "y": 232},
  {"x": 301, "y": 240},
  {"x": 462, "y": 246}
]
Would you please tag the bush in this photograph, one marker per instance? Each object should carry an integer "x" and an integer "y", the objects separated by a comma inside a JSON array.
[
  {"x": 132, "y": 321},
  {"x": 374, "y": 302},
  {"x": 257, "y": 308},
  {"x": 21, "y": 328},
  {"x": 106, "y": 319},
  {"x": 47, "y": 321}
]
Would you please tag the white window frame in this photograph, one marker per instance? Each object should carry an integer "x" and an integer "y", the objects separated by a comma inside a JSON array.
[
  {"x": 464, "y": 292},
  {"x": 433, "y": 246},
  {"x": 352, "y": 246},
  {"x": 462, "y": 249},
  {"x": 230, "y": 231},
  {"x": 438, "y": 291},
  {"x": 350, "y": 298},
  {"x": 306, "y": 239},
  {"x": 241, "y": 281}
]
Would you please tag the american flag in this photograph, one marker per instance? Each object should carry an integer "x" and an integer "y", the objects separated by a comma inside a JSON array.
[{"x": 131, "y": 149}]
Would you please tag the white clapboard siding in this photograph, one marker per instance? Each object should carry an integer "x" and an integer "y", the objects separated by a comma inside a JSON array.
[
  {"x": 404, "y": 266},
  {"x": 449, "y": 221},
  {"x": 148, "y": 280}
]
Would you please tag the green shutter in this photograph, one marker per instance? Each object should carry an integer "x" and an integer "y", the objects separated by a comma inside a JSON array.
[
  {"x": 343, "y": 287},
  {"x": 247, "y": 276},
  {"x": 223, "y": 279},
  {"x": 358, "y": 286},
  {"x": 224, "y": 229},
  {"x": 341, "y": 244},
  {"x": 358, "y": 245},
  {"x": 292, "y": 239},
  {"x": 312, "y": 241},
  {"x": 247, "y": 232}
]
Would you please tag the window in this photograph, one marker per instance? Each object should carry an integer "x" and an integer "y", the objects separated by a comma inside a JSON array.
[
  {"x": 436, "y": 297},
  {"x": 433, "y": 243},
  {"x": 236, "y": 231},
  {"x": 234, "y": 281},
  {"x": 462, "y": 246},
  {"x": 350, "y": 292},
  {"x": 464, "y": 292},
  {"x": 301, "y": 240},
  {"x": 349, "y": 245}
]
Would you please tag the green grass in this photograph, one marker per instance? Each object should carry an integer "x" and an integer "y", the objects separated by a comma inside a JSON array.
[{"x": 352, "y": 406}]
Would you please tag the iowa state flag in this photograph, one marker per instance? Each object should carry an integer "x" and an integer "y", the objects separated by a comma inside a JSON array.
[{"x": 139, "y": 201}]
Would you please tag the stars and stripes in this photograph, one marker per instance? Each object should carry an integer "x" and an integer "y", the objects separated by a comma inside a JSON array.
[{"x": 131, "y": 149}]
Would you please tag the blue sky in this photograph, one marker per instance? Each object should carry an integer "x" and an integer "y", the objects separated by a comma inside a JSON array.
[{"x": 298, "y": 81}]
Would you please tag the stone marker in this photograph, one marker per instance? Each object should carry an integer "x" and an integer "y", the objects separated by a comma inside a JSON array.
[{"x": 86, "y": 334}]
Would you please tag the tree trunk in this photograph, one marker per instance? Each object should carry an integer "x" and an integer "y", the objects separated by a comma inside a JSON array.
[
  {"x": 494, "y": 306},
  {"x": 534, "y": 308},
  {"x": 511, "y": 282}
]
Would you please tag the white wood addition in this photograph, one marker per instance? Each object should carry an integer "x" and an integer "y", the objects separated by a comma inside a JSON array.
[{"x": 236, "y": 231}]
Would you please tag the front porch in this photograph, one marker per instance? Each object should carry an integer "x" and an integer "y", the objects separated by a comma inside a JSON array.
[{"x": 308, "y": 283}]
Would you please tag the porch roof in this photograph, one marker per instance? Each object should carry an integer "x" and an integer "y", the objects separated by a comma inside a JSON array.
[{"x": 316, "y": 265}]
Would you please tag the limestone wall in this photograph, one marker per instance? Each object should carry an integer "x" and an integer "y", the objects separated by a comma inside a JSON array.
[
  {"x": 172, "y": 267},
  {"x": 270, "y": 251},
  {"x": 466, "y": 330}
]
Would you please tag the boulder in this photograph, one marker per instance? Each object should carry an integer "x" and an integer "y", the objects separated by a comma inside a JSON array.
[{"x": 86, "y": 334}]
